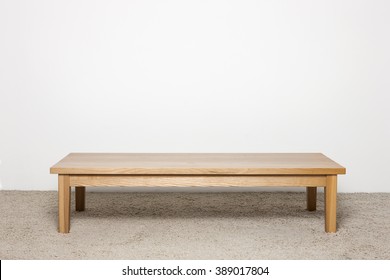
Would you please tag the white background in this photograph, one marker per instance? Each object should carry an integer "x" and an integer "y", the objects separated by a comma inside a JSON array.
[
  {"x": 194, "y": 76},
  {"x": 278, "y": 269}
]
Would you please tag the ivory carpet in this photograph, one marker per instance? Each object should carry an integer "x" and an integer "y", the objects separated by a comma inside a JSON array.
[{"x": 259, "y": 225}]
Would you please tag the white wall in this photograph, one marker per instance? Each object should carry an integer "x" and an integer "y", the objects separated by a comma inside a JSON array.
[{"x": 194, "y": 76}]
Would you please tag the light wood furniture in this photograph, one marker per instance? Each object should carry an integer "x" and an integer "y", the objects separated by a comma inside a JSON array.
[{"x": 310, "y": 170}]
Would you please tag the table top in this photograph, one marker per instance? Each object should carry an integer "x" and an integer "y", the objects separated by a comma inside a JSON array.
[{"x": 197, "y": 164}]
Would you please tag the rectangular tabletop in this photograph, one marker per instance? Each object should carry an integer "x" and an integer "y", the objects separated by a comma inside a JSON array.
[{"x": 197, "y": 164}]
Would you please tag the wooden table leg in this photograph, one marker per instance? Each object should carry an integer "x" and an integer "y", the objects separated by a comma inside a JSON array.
[
  {"x": 330, "y": 203},
  {"x": 63, "y": 203},
  {"x": 311, "y": 197},
  {"x": 80, "y": 198}
]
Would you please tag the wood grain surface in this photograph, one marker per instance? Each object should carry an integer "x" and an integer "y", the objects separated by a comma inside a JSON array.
[
  {"x": 196, "y": 181},
  {"x": 197, "y": 164}
]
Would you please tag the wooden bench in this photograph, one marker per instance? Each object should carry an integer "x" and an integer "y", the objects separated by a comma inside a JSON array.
[{"x": 310, "y": 170}]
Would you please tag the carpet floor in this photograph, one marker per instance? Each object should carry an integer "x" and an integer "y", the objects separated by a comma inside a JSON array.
[{"x": 258, "y": 225}]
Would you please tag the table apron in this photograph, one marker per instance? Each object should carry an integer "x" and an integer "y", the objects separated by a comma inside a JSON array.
[{"x": 197, "y": 180}]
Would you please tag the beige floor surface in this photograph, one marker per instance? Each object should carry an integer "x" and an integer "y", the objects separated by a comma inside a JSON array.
[{"x": 194, "y": 226}]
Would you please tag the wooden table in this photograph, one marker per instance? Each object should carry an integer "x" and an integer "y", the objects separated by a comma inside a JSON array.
[{"x": 310, "y": 170}]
